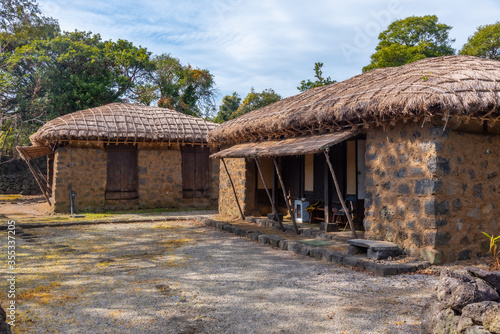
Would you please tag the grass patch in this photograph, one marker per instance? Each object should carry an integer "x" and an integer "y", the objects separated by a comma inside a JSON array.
[
  {"x": 165, "y": 226},
  {"x": 174, "y": 243},
  {"x": 153, "y": 211},
  {"x": 41, "y": 294},
  {"x": 10, "y": 197},
  {"x": 65, "y": 218}
]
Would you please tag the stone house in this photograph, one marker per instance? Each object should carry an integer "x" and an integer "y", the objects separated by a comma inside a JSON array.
[
  {"x": 125, "y": 156},
  {"x": 416, "y": 148}
]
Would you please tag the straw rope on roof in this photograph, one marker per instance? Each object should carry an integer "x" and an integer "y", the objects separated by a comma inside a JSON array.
[
  {"x": 124, "y": 122},
  {"x": 444, "y": 86}
]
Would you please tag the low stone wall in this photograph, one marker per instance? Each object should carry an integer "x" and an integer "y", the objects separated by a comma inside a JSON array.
[
  {"x": 464, "y": 302},
  {"x": 16, "y": 178}
]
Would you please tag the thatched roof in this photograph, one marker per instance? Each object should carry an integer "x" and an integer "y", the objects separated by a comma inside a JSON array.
[
  {"x": 444, "y": 86},
  {"x": 124, "y": 122},
  {"x": 291, "y": 146}
]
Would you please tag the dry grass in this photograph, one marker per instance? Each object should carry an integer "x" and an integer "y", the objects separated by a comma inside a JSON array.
[
  {"x": 69, "y": 267},
  {"x": 9, "y": 197}
]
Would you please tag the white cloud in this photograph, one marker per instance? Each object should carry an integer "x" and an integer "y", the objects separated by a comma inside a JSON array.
[{"x": 265, "y": 43}]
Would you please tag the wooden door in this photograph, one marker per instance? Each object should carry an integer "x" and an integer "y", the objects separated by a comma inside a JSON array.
[
  {"x": 195, "y": 171},
  {"x": 121, "y": 180}
]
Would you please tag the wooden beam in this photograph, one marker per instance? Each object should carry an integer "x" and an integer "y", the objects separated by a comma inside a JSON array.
[
  {"x": 344, "y": 207},
  {"x": 234, "y": 190},
  {"x": 275, "y": 210},
  {"x": 287, "y": 199},
  {"x": 40, "y": 181}
]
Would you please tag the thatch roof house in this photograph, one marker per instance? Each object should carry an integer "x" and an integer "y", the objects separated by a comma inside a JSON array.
[
  {"x": 416, "y": 147},
  {"x": 121, "y": 156}
]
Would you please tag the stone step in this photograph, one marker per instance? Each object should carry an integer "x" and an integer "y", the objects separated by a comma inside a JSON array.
[
  {"x": 374, "y": 244},
  {"x": 378, "y": 250}
]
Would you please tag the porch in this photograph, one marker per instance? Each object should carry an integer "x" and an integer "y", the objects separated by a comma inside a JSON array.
[{"x": 318, "y": 180}]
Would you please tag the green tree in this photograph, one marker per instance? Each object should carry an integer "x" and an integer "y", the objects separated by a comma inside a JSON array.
[
  {"x": 484, "y": 43},
  {"x": 182, "y": 88},
  {"x": 411, "y": 39},
  {"x": 320, "y": 81},
  {"x": 254, "y": 101},
  {"x": 73, "y": 71},
  {"x": 21, "y": 21},
  {"x": 230, "y": 104}
]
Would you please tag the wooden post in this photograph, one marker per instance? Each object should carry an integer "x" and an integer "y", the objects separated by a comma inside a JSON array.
[
  {"x": 327, "y": 197},
  {"x": 275, "y": 210},
  {"x": 234, "y": 190},
  {"x": 344, "y": 207},
  {"x": 287, "y": 199}
]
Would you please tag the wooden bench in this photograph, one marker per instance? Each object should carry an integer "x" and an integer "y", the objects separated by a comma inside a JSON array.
[{"x": 378, "y": 250}]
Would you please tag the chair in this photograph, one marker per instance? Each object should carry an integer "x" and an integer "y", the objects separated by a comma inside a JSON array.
[
  {"x": 341, "y": 214},
  {"x": 317, "y": 212}
]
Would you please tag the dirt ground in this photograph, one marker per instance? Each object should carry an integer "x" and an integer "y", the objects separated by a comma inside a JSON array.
[
  {"x": 180, "y": 277},
  {"x": 16, "y": 207}
]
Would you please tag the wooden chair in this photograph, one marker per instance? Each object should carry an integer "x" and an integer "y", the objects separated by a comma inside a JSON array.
[
  {"x": 341, "y": 214},
  {"x": 318, "y": 215}
]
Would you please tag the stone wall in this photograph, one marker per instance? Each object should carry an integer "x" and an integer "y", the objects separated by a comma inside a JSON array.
[
  {"x": 470, "y": 200},
  {"x": 84, "y": 168},
  {"x": 16, "y": 178},
  {"x": 159, "y": 179},
  {"x": 159, "y": 176},
  {"x": 243, "y": 178},
  {"x": 432, "y": 191}
]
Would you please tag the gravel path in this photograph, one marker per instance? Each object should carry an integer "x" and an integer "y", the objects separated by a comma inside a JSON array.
[{"x": 180, "y": 277}]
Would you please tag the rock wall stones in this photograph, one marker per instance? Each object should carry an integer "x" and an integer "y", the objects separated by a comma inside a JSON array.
[
  {"x": 465, "y": 301},
  {"x": 16, "y": 178},
  {"x": 432, "y": 191}
]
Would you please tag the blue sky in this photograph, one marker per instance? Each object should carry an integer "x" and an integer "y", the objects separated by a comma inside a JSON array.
[{"x": 264, "y": 43}]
